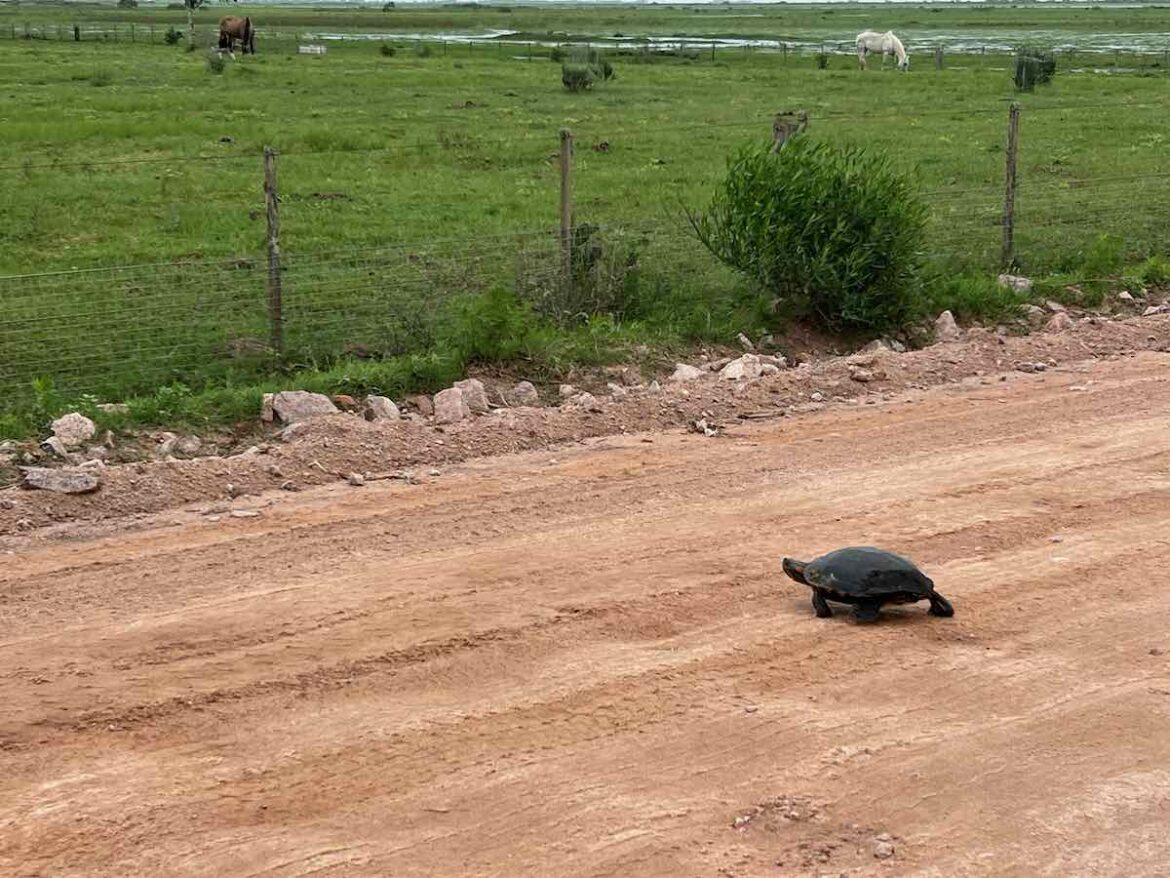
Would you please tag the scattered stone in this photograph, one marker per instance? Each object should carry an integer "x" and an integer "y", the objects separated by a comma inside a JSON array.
[
  {"x": 876, "y": 346},
  {"x": 1034, "y": 313},
  {"x": 380, "y": 408},
  {"x": 450, "y": 406},
  {"x": 59, "y": 481},
  {"x": 1060, "y": 322},
  {"x": 862, "y": 376},
  {"x": 244, "y": 513},
  {"x": 746, "y": 368},
  {"x": 883, "y": 850},
  {"x": 74, "y": 429},
  {"x": 683, "y": 372},
  {"x": 816, "y": 396},
  {"x": 5, "y": 503},
  {"x": 474, "y": 394},
  {"x": 567, "y": 390},
  {"x": 422, "y": 404},
  {"x": 524, "y": 393},
  {"x": 773, "y": 360},
  {"x": 1155, "y": 651},
  {"x": 188, "y": 445},
  {"x": 113, "y": 408},
  {"x": 1055, "y": 307},
  {"x": 294, "y": 431},
  {"x": 295, "y": 406},
  {"x": 345, "y": 402},
  {"x": 945, "y": 327},
  {"x": 434, "y": 472},
  {"x": 769, "y": 369},
  {"x": 586, "y": 401},
  {"x": 1032, "y": 367},
  {"x": 654, "y": 387},
  {"x": 746, "y": 343},
  {"x": 617, "y": 391},
  {"x": 356, "y": 479},
  {"x": 53, "y": 445},
  {"x": 1155, "y": 309},
  {"x": 1015, "y": 282},
  {"x": 1125, "y": 296},
  {"x": 701, "y": 426}
]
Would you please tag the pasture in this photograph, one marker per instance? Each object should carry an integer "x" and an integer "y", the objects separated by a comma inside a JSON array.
[{"x": 132, "y": 208}]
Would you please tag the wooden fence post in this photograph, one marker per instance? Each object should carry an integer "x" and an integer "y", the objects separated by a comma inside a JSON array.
[
  {"x": 938, "y": 57},
  {"x": 271, "y": 200},
  {"x": 1009, "y": 195},
  {"x": 76, "y": 33},
  {"x": 566, "y": 206},
  {"x": 785, "y": 125}
]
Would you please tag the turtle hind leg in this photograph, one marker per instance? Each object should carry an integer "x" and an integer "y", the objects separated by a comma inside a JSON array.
[
  {"x": 820, "y": 604},
  {"x": 867, "y": 610},
  {"x": 940, "y": 606}
]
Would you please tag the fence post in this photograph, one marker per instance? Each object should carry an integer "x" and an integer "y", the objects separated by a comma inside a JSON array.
[
  {"x": 1009, "y": 196},
  {"x": 271, "y": 200},
  {"x": 938, "y": 57},
  {"x": 76, "y": 33},
  {"x": 785, "y": 125},
  {"x": 566, "y": 205}
]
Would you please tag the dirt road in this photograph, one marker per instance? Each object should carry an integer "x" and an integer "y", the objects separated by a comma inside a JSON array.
[{"x": 586, "y": 662}]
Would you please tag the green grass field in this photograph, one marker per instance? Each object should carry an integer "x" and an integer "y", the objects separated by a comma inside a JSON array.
[{"x": 407, "y": 180}]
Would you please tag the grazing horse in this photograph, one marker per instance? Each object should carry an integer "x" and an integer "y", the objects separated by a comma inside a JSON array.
[
  {"x": 232, "y": 28},
  {"x": 888, "y": 44}
]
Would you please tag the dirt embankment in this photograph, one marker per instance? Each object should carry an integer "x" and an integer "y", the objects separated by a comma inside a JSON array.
[{"x": 331, "y": 448}]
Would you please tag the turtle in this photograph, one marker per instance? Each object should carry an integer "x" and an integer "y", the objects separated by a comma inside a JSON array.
[{"x": 867, "y": 578}]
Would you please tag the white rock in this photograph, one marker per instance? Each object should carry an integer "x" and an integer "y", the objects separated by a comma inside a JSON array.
[
  {"x": 567, "y": 390},
  {"x": 945, "y": 328},
  {"x": 450, "y": 406},
  {"x": 244, "y": 513},
  {"x": 769, "y": 369},
  {"x": 1015, "y": 282},
  {"x": 883, "y": 850},
  {"x": 773, "y": 360},
  {"x": 1154, "y": 309},
  {"x": 113, "y": 408},
  {"x": 746, "y": 343},
  {"x": 816, "y": 396},
  {"x": 188, "y": 445},
  {"x": 1034, "y": 313},
  {"x": 60, "y": 481},
  {"x": 654, "y": 387},
  {"x": 586, "y": 401},
  {"x": 524, "y": 393},
  {"x": 294, "y": 406},
  {"x": 474, "y": 394},
  {"x": 617, "y": 391},
  {"x": 74, "y": 429},
  {"x": 746, "y": 367},
  {"x": 1125, "y": 296},
  {"x": 864, "y": 376},
  {"x": 57, "y": 448},
  {"x": 683, "y": 372},
  {"x": 1055, "y": 307},
  {"x": 1059, "y": 323},
  {"x": 380, "y": 408},
  {"x": 356, "y": 479}
]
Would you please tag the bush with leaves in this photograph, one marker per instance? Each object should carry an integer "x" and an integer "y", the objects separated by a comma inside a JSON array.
[
  {"x": 172, "y": 36},
  {"x": 830, "y": 233},
  {"x": 822, "y": 60},
  {"x": 215, "y": 63},
  {"x": 602, "y": 280},
  {"x": 387, "y": 50},
  {"x": 1034, "y": 66},
  {"x": 583, "y": 67}
]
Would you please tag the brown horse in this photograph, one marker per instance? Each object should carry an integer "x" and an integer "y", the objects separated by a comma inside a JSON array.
[{"x": 232, "y": 28}]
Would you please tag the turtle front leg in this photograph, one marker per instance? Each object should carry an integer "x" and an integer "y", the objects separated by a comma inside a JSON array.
[
  {"x": 866, "y": 610},
  {"x": 820, "y": 604},
  {"x": 940, "y": 606}
]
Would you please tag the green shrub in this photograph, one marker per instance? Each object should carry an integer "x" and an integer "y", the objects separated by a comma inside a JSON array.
[
  {"x": 1034, "y": 66},
  {"x": 215, "y": 63},
  {"x": 101, "y": 78},
  {"x": 557, "y": 54},
  {"x": 422, "y": 50},
  {"x": 387, "y": 50},
  {"x": 127, "y": 4},
  {"x": 172, "y": 36},
  {"x": 576, "y": 77},
  {"x": 822, "y": 60},
  {"x": 603, "y": 278},
  {"x": 973, "y": 297},
  {"x": 829, "y": 232},
  {"x": 1156, "y": 272},
  {"x": 487, "y": 328}
]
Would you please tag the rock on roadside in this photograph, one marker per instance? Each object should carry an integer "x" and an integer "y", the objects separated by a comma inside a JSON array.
[
  {"x": 60, "y": 481},
  {"x": 683, "y": 372},
  {"x": 74, "y": 429},
  {"x": 1060, "y": 322},
  {"x": 450, "y": 406},
  {"x": 294, "y": 406},
  {"x": 380, "y": 408},
  {"x": 524, "y": 393},
  {"x": 746, "y": 367},
  {"x": 474, "y": 394},
  {"x": 945, "y": 327}
]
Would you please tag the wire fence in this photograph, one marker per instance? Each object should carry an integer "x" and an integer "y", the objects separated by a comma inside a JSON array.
[{"x": 117, "y": 331}]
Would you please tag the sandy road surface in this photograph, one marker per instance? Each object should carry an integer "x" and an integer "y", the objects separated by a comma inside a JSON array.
[{"x": 586, "y": 663}]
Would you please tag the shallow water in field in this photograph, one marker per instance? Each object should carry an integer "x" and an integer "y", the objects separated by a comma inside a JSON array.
[{"x": 914, "y": 39}]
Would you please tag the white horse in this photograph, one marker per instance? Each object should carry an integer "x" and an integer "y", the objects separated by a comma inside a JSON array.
[{"x": 888, "y": 44}]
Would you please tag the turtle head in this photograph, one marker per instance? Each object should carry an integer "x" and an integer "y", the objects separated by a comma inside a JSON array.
[{"x": 795, "y": 569}]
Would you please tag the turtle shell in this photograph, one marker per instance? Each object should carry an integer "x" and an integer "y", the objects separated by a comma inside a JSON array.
[{"x": 865, "y": 571}]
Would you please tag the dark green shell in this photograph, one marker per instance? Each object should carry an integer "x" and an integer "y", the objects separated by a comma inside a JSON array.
[{"x": 864, "y": 570}]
